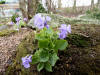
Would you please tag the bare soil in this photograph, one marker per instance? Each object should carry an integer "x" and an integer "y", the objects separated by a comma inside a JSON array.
[{"x": 8, "y": 46}]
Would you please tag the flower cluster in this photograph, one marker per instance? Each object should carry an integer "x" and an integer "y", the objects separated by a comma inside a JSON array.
[
  {"x": 48, "y": 44},
  {"x": 11, "y": 23},
  {"x": 64, "y": 30},
  {"x": 41, "y": 22},
  {"x": 19, "y": 22},
  {"x": 25, "y": 19},
  {"x": 26, "y": 60},
  {"x": 18, "y": 19}
]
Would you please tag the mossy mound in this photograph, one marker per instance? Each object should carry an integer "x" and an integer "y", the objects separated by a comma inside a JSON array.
[
  {"x": 0, "y": 24},
  {"x": 77, "y": 60},
  {"x": 79, "y": 40},
  {"x": 7, "y": 32},
  {"x": 24, "y": 48}
]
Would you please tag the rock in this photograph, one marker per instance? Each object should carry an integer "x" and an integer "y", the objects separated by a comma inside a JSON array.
[
  {"x": 3, "y": 27},
  {"x": 7, "y": 32}
]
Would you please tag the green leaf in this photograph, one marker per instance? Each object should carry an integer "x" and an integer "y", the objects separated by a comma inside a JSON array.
[
  {"x": 39, "y": 36},
  {"x": 43, "y": 43},
  {"x": 53, "y": 59},
  {"x": 51, "y": 45},
  {"x": 21, "y": 23},
  {"x": 40, "y": 66},
  {"x": 49, "y": 31},
  {"x": 35, "y": 57},
  {"x": 61, "y": 44},
  {"x": 44, "y": 56},
  {"x": 48, "y": 67}
]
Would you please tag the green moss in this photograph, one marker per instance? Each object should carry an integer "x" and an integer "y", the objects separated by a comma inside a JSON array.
[
  {"x": 24, "y": 48},
  {"x": 79, "y": 40},
  {"x": 0, "y": 24},
  {"x": 7, "y": 32}
]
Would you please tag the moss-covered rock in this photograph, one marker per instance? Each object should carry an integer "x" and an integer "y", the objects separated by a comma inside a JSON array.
[
  {"x": 24, "y": 48},
  {"x": 7, "y": 32},
  {"x": 79, "y": 40}
]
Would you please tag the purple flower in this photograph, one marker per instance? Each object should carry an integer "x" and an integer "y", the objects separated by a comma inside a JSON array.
[
  {"x": 11, "y": 23},
  {"x": 26, "y": 60},
  {"x": 62, "y": 35},
  {"x": 64, "y": 30},
  {"x": 18, "y": 19},
  {"x": 45, "y": 23},
  {"x": 25, "y": 19},
  {"x": 47, "y": 26},
  {"x": 39, "y": 21},
  {"x": 48, "y": 18}
]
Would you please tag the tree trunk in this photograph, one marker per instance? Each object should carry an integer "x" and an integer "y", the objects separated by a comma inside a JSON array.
[
  {"x": 74, "y": 6},
  {"x": 23, "y": 8},
  {"x": 48, "y": 4},
  {"x": 59, "y": 3},
  {"x": 92, "y": 4},
  {"x": 98, "y": 4},
  {"x": 32, "y": 7}
]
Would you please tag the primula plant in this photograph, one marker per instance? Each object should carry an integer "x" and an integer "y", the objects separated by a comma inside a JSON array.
[{"x": 49, "y": 42}]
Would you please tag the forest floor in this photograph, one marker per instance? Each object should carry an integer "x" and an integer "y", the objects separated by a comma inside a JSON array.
[
  {"x": 70, "y": 15},
  {"x": 8, "y": 46}
]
